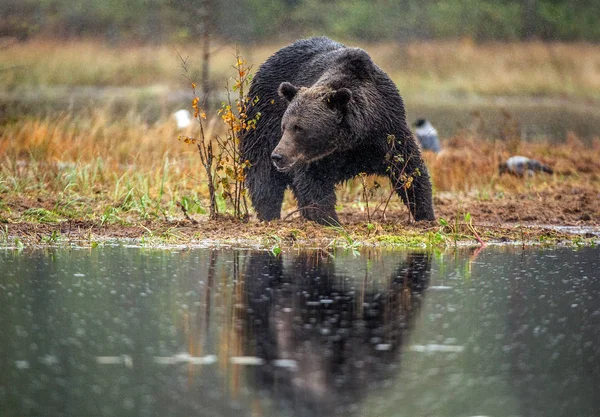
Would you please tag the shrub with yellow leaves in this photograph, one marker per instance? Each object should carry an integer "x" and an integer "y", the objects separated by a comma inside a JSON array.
[{"x": 223, "y": 164}]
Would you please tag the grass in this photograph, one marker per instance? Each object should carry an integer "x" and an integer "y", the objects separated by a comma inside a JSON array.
[
  {"x": 430, "y": 68},
  {"x": 534, "y": 68},
  {"x": 88, "y": 167},
  {"x": 118, "y": 172},
  {"x": 92, "y": 167},
  {"x": 469, "y": 164}
]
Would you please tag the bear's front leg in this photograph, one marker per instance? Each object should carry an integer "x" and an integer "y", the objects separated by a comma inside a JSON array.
[
  {"x": 316, "y": 198},
  {"x": 266, "y": 188},
  {"x": 410, "y": 179}
]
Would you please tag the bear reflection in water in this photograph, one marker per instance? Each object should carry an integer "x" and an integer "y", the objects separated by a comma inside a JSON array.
[{"x": 327, "y": 338}]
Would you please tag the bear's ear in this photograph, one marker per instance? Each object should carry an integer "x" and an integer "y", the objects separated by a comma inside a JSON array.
[
  {"x": 339, "y": 99},
  {"x": 287, "y": 90}
]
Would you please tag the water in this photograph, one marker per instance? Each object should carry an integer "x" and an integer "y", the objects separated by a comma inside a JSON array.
[{"x": 120, "y": 331}]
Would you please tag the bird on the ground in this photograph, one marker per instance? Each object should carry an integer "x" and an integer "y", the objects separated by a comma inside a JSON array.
[
  {"x": 183, "y": 118},
  {"x": 427, "y": 135},
  {"x": 521, "y": 165}
]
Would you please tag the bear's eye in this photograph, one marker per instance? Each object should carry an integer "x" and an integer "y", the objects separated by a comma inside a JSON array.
[{"x": 297, "y": 129}]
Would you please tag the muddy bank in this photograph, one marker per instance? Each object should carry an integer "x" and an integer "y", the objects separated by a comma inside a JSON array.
[{"x": 299, "y": 233}]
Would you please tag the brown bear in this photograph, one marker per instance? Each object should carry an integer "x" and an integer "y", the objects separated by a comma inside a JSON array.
[{"x": 327, "y": 114}]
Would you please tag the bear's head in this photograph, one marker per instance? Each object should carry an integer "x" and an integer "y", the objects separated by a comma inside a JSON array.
[{"x": 311, "y": 125}]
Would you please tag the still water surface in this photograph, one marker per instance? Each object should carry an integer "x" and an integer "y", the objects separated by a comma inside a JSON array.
[{"x": 120, "y": 331}]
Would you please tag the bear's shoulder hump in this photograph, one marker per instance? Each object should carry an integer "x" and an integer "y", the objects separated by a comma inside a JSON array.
[{"x": 358, "y": 62}]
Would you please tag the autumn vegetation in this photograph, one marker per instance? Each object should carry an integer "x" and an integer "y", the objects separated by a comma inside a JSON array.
[
  {"x": 430, "y": 68},
  {"x": 112, "y": 162}
]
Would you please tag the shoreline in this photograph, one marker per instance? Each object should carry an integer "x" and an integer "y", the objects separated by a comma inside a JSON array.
[{"x": 297, "y": 234}]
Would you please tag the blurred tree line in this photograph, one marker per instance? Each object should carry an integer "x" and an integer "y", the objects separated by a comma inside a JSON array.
[{"x": 252, "y": 21}]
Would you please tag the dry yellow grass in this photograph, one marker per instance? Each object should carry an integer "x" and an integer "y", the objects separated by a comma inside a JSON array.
[
  {"x": 418, "y": 67},
  {"x": 470, "y": 164},
  {"x": 87, "y": 164},
  {"x": 90, "y": 164},
  {"x": 102, "y": 163},
  {"x": 494, "y": 68}
]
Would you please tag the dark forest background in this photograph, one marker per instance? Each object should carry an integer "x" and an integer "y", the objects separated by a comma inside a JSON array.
[{"x": 253, "y": 21}]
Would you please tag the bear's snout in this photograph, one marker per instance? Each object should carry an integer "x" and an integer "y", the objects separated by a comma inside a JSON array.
[
  {"x": 275, "y": 157},
  {"x": 279, "y": 161}
]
